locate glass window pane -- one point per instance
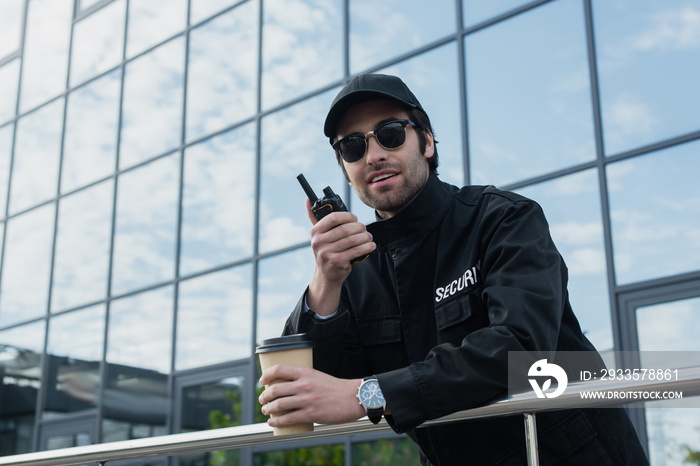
(74, 361)
(136, 398)
(642, 48)
(90, 145)
(146, 224)
(214, 320)
(293, 143)
(218, 203)
(20, 365)
(9, 78)
(37, 156)
(201, 9)
(153, 96)
(26, 266)
(572, 207)
(378, 29)
(386, 452)
(281, 283)
(81, 259)
(302, 47)
(323, 454)
(672, 326)
(212, 406)
(476, 11)
(11, 15)
(5, 157)
(98, 42)
(152, 22)
(221, 90)
(434, 79)
(528, 95)
(45, 51)
(655, 213)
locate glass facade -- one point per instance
(152, 230)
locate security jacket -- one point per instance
(459, 278)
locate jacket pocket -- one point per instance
(379, 330)
(459, 316)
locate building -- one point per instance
(153, 231)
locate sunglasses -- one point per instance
(390, 135)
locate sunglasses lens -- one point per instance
(352, 148)
(391, 135)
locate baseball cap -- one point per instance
(365, 87)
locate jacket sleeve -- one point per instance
(337, 349)
(522, 299)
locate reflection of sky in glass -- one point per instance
(432, 77)
(293, 143)
(75, 371)
(82, 247)
(9, 78)
(655, 210)
(152, 22)
(281, 284)
(222, 74)
(529, 95)
(671, 326)
(214, 319)
(572, 207)
(649, 67)
(201, 9)
(45, 50)
(152, 116)
(140, 330)
(218, 202)
(378, 30)
(144, 243)
(11, 12)
(26, 266)
(5, 155)
(29, 337)
(90, 144)
(476, 11)
(37, 154)
(302, 49)
(98, 42)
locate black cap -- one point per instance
(365, 87)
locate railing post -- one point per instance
(531, 440)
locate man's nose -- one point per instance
(375, 152)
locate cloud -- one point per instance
(677, 29)
(629, 114)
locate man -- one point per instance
(455, 279)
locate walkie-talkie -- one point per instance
(330, 202)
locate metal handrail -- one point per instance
(527, 403)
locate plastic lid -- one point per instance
(286, 342)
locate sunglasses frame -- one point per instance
(404, 123)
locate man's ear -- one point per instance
(429, 145)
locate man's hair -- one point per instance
(422, 121)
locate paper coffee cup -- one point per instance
(294, 350)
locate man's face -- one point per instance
(385, 179)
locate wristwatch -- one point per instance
(371, 398)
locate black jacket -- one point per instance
(459, 278)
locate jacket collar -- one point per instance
(417, 219)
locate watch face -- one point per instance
(371, 395)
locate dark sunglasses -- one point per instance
(390, 135)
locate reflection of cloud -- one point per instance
(670, 30)
(62, 340)
(628, 114)
(659, 333)
(91, 132)
(144, 244)
(153, 96)
(10, 21)
(9, 76)
(140, 330)
(37, 150)
(151, 22)
(26, 265)
(82, 247)
(577, 233)
(214, 318)
(222, 71)
(280, 232)
(98, 42)
(45, 50)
